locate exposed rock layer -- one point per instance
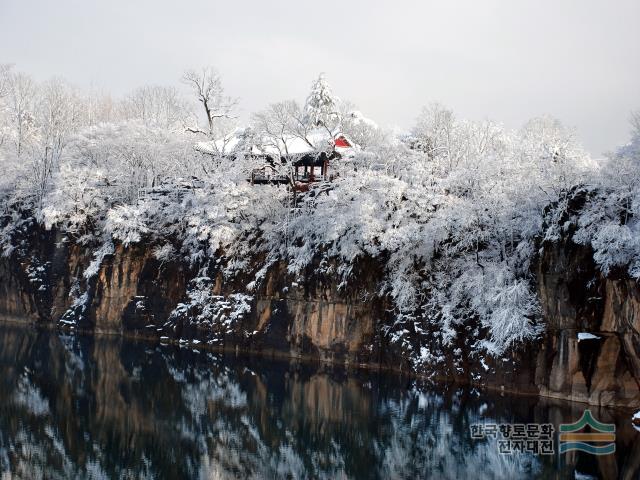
(601, 368)
(311, 316)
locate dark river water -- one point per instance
(79, 407)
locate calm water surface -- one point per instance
(78, 407)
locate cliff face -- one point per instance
(311, 316)
(134, 293)
(591, 351)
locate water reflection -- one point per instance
(77, 407)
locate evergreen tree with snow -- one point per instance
(321, 107)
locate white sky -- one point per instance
(507, 60)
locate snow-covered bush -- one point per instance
(126, 224)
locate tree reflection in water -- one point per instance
(79, 407)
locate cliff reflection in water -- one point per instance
(78, 407)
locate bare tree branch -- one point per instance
(209, 91)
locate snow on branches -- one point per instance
(454, 210)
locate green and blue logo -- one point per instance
(601, 440)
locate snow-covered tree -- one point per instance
(4, 106)
(21, 99)
(157, 106)
(322, 108)
(218, 107)
(554, 154)
(434, 132)
(363, 131)
(278, 126)
(610, 220)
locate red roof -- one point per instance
(342, 142)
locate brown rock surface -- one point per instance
(311, 315)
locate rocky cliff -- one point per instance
(589, 352)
